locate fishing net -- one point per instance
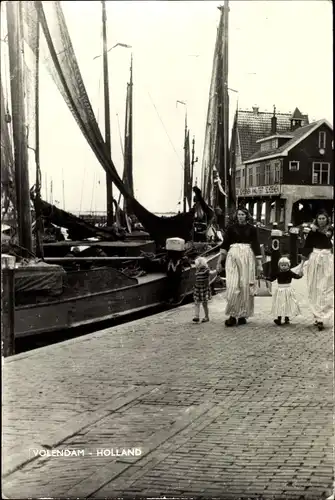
(8, 202)
(77, 228)
(209, 160)
(31, 37)
(213, 163)
(187, 170)
(62, 65)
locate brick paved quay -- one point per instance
(243, 412)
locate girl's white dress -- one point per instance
(284, 301)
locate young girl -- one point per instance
(202, 291)
(284, 302)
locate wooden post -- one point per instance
(294, 232)
(8, 305)
(276, 235)
(259, 211)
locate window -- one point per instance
(262, 176)
(322, 140)
(267, 174)
(277, 172)
(274, 144)
(238, 179)
(266, 146)
(294, 166)
(250, 176)
(258, 175)
(321, 173)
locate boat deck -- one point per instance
(107, 244)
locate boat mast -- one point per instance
(38, 214)
(130, 131)
(193, 161)
(109, 182)
(15, 48)
(225, 105)
(128, 140)
(185, 166)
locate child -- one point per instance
(202, 291)
(284, 302)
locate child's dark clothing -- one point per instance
(202, 290)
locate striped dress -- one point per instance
(320, 274)
(241, 243)
(202, 290)
(284, 302)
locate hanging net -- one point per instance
(8, 202)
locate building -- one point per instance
(284, 166)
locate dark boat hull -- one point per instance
(69, 312)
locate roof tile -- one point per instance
(296, 134)
(253, 126)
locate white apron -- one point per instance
(320, 283)
(240, 281)
(284, 302)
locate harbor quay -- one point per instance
(164, 407)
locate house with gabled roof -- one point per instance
(288, 172)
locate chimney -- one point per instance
(255, 109)
(274, 121)
(296, 119)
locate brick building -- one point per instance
(284, 165)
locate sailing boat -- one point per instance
(217, 175)
(48, 298)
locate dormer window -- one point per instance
(274, 144)
(266, 146)
(322, 140)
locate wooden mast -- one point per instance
(185, 167)
(193, 161)
(109, 182)
(225, 114)
(15, 48)
(128, 140)
(130, 131)
(39, 223)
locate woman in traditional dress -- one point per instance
(240, 249)
(320, 268)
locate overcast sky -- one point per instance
(280, 52)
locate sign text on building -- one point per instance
(259, 190)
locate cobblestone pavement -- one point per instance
(243, 412)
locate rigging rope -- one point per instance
(174, 149)
(118, 124)
(180, 198)
(92, 192)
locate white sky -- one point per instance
(287, 44)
